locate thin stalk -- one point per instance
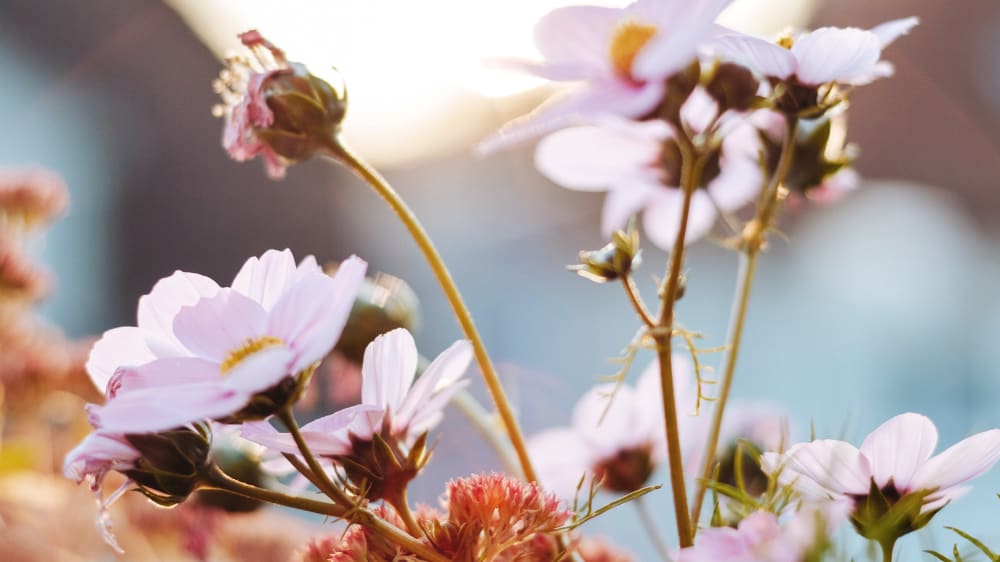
(663, 333)
(437, 265)
(319, 476)
(887, 548)
(748, 266)
(649, 524)
(216, 479)
(752, 244)
(636, 299)
(402, 507)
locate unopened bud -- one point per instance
(243, 464)
(380, 467)
(171, 463)
(384, 303)
(613, 261)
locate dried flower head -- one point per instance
(274, 108)
(31, 196)
(505, 510)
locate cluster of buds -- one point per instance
(613, 261)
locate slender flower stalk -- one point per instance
(219, 480)
(753, 241)
(636, 299)
(338, 151)
(690, 174)
(319, 476)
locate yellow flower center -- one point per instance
(786, 41)
(630, 37)
(249, 347)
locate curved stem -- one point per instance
(649, 524)
(663, 333)
(748, 266)
(752, 244)
(402, 507)
(319, 476)
(437, 265)
(636, 299)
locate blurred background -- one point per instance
(886, 302)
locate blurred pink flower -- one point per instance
(848, 56)
(761, 538)
(624, 447)
(621, 58)
(201, 351)
(637, 165)
(389, 398)
(896, 457)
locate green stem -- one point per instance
(748, 265)
(319, 476)
(649, 524)
(437, 265)
(754, 237)
(663, 333)
(887, 548)
(402, 507)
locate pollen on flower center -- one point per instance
(249, 347)
(628, 40)
(786, 41)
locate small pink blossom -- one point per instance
(623, 447)
(637, 165)
(620, 58)
(389, 398)
(896, 458)
(849, 56)
(203, 352)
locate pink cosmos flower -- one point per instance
(203, 352)
(848, 56)
(624, 447)
(639, 166)
(896, 457)
(389, 398)
(620, 58)
(761, 538)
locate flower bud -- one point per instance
(819, 154)
(384, 303)
(613, 261)
(733, 87)
(884, 514)
(241, 463)
(276, 109)
(171, 463)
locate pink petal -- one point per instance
(169, 371)
(833, 54)
(166, 407)
(310, 316)
(596, 99)
(442, 373)
(699, 110)
(577, 34)
(216, 326)
(626, 199)
(944, 497)
(264, 279)
(97, 454)
(158, 309)
(260, 371)
(738, 183)
(389, 366)
(682, 27)
(835, 466)
(661, 220)
(561, 458)
(891, 30)
(557, 71)
(120, 347)
(325, 436)
(617, 430)
(898, 447)
(594, 158)
(762, 57)
(969, 458)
